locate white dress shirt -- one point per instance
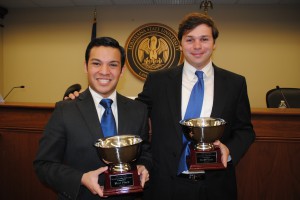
(189, 79)
(100, 109)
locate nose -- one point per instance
(197, 44)
(104, 69)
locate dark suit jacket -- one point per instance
(67, 146)
(162, 94)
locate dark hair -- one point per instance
(107, 42)
(192, 20)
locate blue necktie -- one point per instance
(193, 111)
(108, 123)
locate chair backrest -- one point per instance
(292, 96)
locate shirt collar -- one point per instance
(189, 70)
(97, 97)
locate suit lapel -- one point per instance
(87, 108)
(122, 110)
(174, 97)
(220, 92)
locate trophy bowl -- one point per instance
(119, 150)
(203, 131)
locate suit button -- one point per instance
(174, 154)
(172, 177)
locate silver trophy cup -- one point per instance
(119, 152)
(202, 132)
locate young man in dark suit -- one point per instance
(67, 160)
(167, 92)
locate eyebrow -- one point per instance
(191, 36)
(115, 61)
(94, 59)
(112, 61)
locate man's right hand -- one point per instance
(90, 181)
(72, 96)
(72, 92)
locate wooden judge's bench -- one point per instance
(269, 170)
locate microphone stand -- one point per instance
(22, 86)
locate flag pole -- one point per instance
(94, 27)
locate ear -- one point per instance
(215, 45)
(123, 70)
(85, 67)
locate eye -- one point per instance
(189, 40)
(95, 63)
(204, 39)
(114, 64)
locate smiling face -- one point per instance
(104, 69)
(197, 46)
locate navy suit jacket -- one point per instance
(162, 94)
(67, 149)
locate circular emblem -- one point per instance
(152, 47)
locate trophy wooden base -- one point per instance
(121, 183)
(205, 160)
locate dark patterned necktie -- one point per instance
(193, 111)
(108, 123)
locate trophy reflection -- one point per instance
(202, 132)
(119, 151)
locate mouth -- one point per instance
(197, 54)
(103, 81)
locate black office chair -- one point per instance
(291, 96)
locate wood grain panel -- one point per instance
(21, 126)
(270, 168)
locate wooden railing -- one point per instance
(269, 170)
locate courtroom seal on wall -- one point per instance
(152, 47)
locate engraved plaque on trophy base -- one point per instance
(121, 183)
(205, 160)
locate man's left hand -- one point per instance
(224, 151)
(143, 173)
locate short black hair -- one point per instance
(107, 42)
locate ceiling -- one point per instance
(77, 3)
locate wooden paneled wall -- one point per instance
(269, 170)
(21, 126)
